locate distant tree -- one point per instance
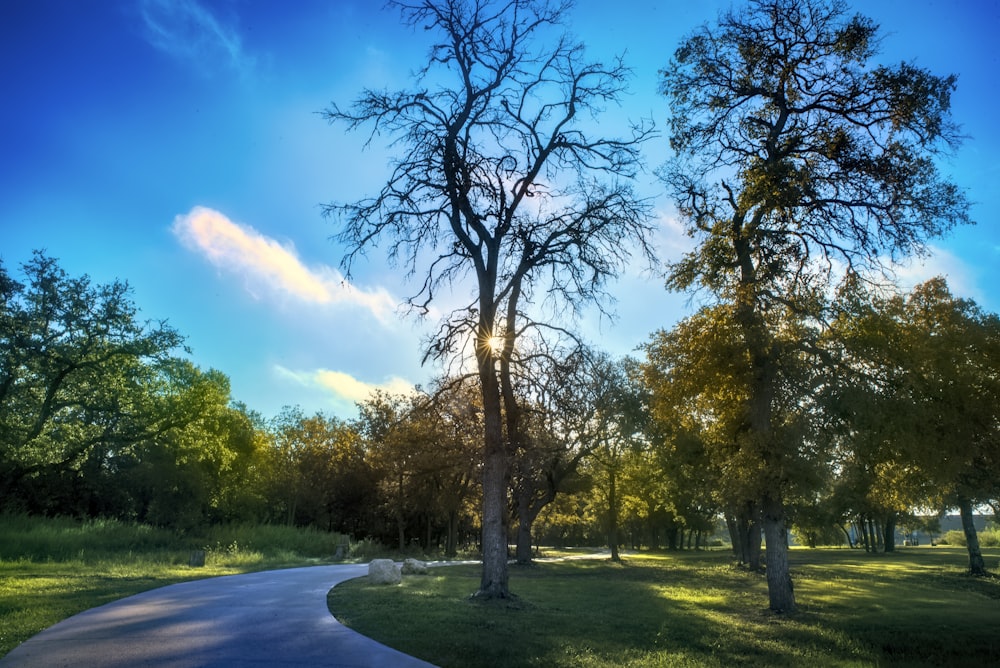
(614, 434)
(927, 423)
(75, 367)
(796, 156)
(504, 176)
(552, 444)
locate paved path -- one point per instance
(274, 619)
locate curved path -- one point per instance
(272, 618)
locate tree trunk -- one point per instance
(672, 538)
(779, 579)
(889, 533)
(747, 527)
(734, 537)
(400, 519)
(451, 542)
(753, 536)
(522, 552)
(976, 564)
(494, 581)
(613, 516)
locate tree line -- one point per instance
(893, 409)
(803, 391)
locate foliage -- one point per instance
(988, 538)
(918, 409)
(76, 368)
(797, 156)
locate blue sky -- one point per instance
(176, 144)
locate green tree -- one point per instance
(179, 476)
(932, 360)
(76, 361)
(794, 155)
(614, 434)
(552, 442)
(504, 177)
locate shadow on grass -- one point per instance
(686, 610)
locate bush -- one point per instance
(953, 537)
(989, 538)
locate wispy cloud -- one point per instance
(188, 31)
(940, 262)
(266, 263)
(343, 386)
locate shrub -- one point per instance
(953, 537)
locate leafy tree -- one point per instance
(552, 442)
(794, 156)
(74, 380)
(614, 433)
(421, 450)
(502, 176)
(929, 362)
(455, 474)
(178, 477)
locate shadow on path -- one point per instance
(272, 618)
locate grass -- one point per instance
(51, 569)
(911, 608)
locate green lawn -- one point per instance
(911, 608)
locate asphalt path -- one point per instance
(272, 618)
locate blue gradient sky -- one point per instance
(177, 145)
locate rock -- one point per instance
(384, 571)
(414, 567)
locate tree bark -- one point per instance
(494, 582)
(527, 512)
(976, 564)
(451, 542)
(779, 580)
(889, 532)
(613, 516)
(847, 535)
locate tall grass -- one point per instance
(53, 568)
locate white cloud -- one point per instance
(186, 30)
(343, 386)
(264, 261)
(939, 262)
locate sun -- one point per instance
(494, 344)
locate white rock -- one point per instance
(384, 571)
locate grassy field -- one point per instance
(911, 608)
(52, 569)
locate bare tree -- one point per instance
(796, 156)
(503, 175)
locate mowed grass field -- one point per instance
(914, 607)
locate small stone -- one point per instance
(414, 567)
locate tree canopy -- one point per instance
(796, 155)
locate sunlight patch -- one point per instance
(242, 249)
